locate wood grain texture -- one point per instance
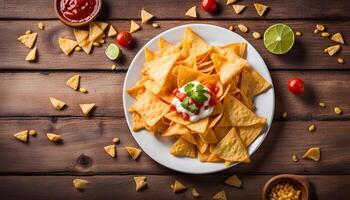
(170, 9)
(83, 141)
(117, 187)
(27, 94)
(306, 54)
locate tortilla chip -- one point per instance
(151, 108)
(194, 192)
(137, 122)
(190, 138)
(86, 45)
(145, 16)
(236, 114)
(230, 2)
(234, 181)
(231, 148)
(186, 75)
(261, 84)
(111, 150)
(101, 25)
(80, 184)
(166, 48)
(221, 132)
(238, 8)
(248, 134)
(31, 56)
(159, 68)
(94, 31)
(134, 26)
(192, 12)
(203, 157)
(140, 182)
(57, 104)
(226, 68)
(22, 136)
(201, 144)
(192, 44)
(86, 108)
(332, 50)
(183, 148)
(152, 86)
(220, 196)
(149, 55)
(176, 129)
(260, 8)
(28, 39)
(80, 35)
(338, 38)
(53, 137)
(134, 152)
(198, 127)
(137, 91)
(67, 45)
(111, 32)
(73, 82)
(313, 153)
(177, 186)
(209, 136)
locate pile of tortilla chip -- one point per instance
(226, 134)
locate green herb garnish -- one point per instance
(190, 107)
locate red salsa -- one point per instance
(78, 10)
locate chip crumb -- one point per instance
(83, 90)
(325, 34)
(41, 25)
(220, 196)
(140, 182)
(295, 158)
(285, 115)
(113, 67)
(312, 128)
(115, 140)
(96, 44)
(155, 25)
(32, 132)
(322, 104)
(313, 153)
(27, 32)
(53, 137)
(340, 60)
(315, 31)
(80, 184)
(230, 28)
(78, 48)
(338, 110)
(320, 27)
(242, 28)
(195, 194)
(298, 33)
(256, 35)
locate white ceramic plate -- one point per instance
(158, 147)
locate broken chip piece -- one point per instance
(140, 182)
(242, 28)
(133, 152)
(238, 8)
(260, 8)
(177, 186)
(111, 32)
(220, 196)
(57, 103)
(145, 16)
(41, 25)
(80, 35)
(94, 31)
(110, 149)
(31, 56)
(234, 181)
(73, 82)
(22, 136)
(134, 26)
(101, 25)
(80, 184)
(86, 108)
(32, 132)
(53, 137)
(313, 153)
(320, 27)
(194, 192)
(28, 39)
(332, 49)
(192, 12)
(230, 2)
(115, 140)
(256, 35)
(67, 45)
(338, 38)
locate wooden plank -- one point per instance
(169, 9)
(158, 186)
(27, 94)
(82, 150)
(306, 54)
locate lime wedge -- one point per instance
(113, 52)
(279, 38)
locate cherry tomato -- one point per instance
(209, 5)
(296, 85)
(172, 107)
(210, 86)
(213, 100)
(191, 101)
(216, 90)
(175, 91)
(124, 39)
(185, 116)
(180, 96)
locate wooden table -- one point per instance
(42, 170)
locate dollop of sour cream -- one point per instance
(205, 110)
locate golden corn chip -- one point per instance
(338, 38)
(80, 34)
(198, 127)
(261, 84)
(239, 49)
(159, 68)
(80, 184)
(332, 49)
(183, 148)
(73, 82)
(165, 48)
(111, 32)
(192, 12)
(238, 8)
(236, 114)
(260, 8)
(86, 108)
(101, 25)
(192, 44)
(190, 138)
(137, 91)
(86, 45)
(33, 132)
(145, 16)
(134, 26)
(177, 186)
(149, 55)
(67, 45)
(252, 83)
(214, 158)
(221, 132)
(140, 182)
(231, 148)
(137, 123)
(220, 196)
(176, 129)
(234, 181)
(209, 136)
(160, 127)
(230, 2)
(151, 108)
(57, 103)
(214, 120)
(152, 86)
(313, 153)
(115, 140)
(31, 56)
(53, 137)
(243, 28)
(203, 157)
(110, 150)
(134, 152)
(201, 144)
(227, 69)
(94, 31)
(194, 192)
(22, 136)
(249, 133)
(99, 40)
(186, 75)
(28, 39)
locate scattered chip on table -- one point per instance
(312, 128)
(238, 8)
(145, 16)
(234, 181)
(41, 25)
(155, 25)
(284, 115)
(101, 25)
(194, 192)
(294, 158)
(111, 150)
(242, 28)
(31, 56)
(340, 60)
(22, 136)
(298, 33)
(322, 104)
(73, 82)
(133, 152)
(111, 32)
(53, 137)
(28, 39)
(32, 132)
(177, 186)
(320, 27)
(332, 49)
(67, 45)
(313, 153)
(83, 90)
(80, 35)
(338, 110)
(338, 38)
(134, 26)
(140, 182)
(230, 28)
(80, 184)
(192, 12)
(86, 108)
(325, 34)
(230, 2)
(94, 31)
(57, 104)
(256, 35)
(260, 8)
(220, 196)
(115, 140)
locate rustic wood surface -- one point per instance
(42, 170)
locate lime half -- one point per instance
(279, 38)
(113, 52)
